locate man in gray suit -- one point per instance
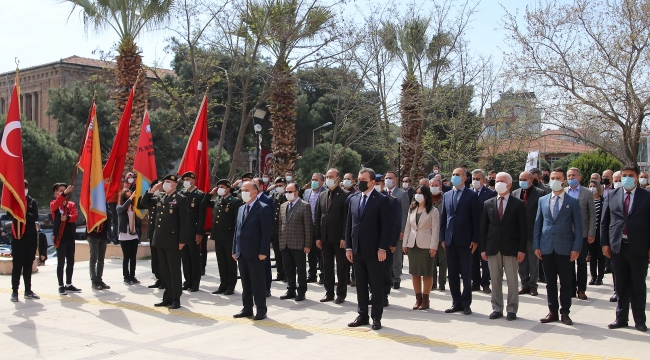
(588, 211)
(391, 180)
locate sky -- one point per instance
(43, 31)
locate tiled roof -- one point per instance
(550, 142)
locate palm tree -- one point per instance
(128, 18)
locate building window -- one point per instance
(553, 159)
(2, 105)
(642, 156)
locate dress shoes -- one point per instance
(194, 289)
(176, 304)
(219, 291)
(395, 286)
(268, 294)
(353, 283)
(467, 311)
(311, 279)
(511, 316)
(288, 295)
(162, 304)
(359, 321)
(259, 316)
(617, 325)
(441, 287)
(550, 317)
(566, 320)
(592, 281)
(614, 298)
(279, 278)
(229, 292)
(496, 315)
(185, 287)
(487, 290)
(524, 291)
(599, 282)
(454, 309)
(327, 297)
(300, 297)
(641, 327)
(533, 292)
(385, 303)
(339, 300)
(582, 295)
(155, 285)
(243, 314)
(376, 324)
(476, 287)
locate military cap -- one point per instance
(379, 177)
(280, 179)
(223, 182)
(57, 185)
(189, 174)
(171, 177)
(248, 175)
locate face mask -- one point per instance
(628, 182)
(280, 190)
(221, 191)
(605, 181)
(573, 182)
(405, 185)
(546, 178)
(289, 178)
(330, 183)
(435, 190)
(556, 185)
(593, 190)
(476, 184)
(156, 193)
(314, 185)
(501, 187)
(347, 183)
(535, 182)
(130, 180)
(419, 198)
(265, 179)
(26, 192)
(642, 181)
(186, 184)
(378, 188)
(524, 184)
(456, 180)
(617, 184)
(246, 196)
(436, 171)
(167, 187)
(492, 182)
(363, 186)
(291, 196)
(389, 183)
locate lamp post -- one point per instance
(313, 133)
(399, 157)
(258, 132)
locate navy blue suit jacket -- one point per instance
(637, 221)
(268, 201)
(396, 223)
(460, 225)
(253, 235)
(368, 232)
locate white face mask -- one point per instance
(476, 184)
(405, 185)
(389, 183)
(280, 190)
(378, 188)
(643, 181)
(221, 191)
(419, 198)
(130, 180)
(167, 187)
(501, 187)
(347, 183)
(555, 185)
(186, 184)
(436, 171)
(246, 196)
(291, 196)
(593, 190)
(289, 178)
(265, 179)
(26, 192)
(435, 190)
(617, 184)
(330, 183)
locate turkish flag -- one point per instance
(195, 157)
(115, 164)
(12, 172)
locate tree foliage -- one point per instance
(316, 161)
(594, 162)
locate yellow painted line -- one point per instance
(362, 333)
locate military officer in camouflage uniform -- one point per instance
(224, 220)
(278, 198)
(192, 264)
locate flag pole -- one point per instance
(83, 142)
(19, 233)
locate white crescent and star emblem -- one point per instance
(8, 129)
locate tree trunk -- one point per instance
(411, 123)
(283, 115)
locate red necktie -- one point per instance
(501, 208)
(626, 209)
(525, 197)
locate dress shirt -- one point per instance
(313, 199)
(560, 200)
(574, 193)
(629, 210)
(505, 201)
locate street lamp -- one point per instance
(258, 132)
(313, 132)
(399, 157)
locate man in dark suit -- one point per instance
(459, 232)
(395, 230)
(529, 268)
(401, 208)
(191, 255)
(480, 269)
(169, 237)
(296, 237)
(408, 187)
(537, 181)
(367, 238)
(261, 196)
(330, 218)
(624, 236)
(311, 195)
(251, 248)
(557, 241)
(503, 240)
(224, 215)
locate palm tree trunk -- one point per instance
(283, 114)
(411, 118)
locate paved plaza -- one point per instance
(122, 323)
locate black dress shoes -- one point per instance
(327, 298)
(496, 315)
(311, 279)
(359, 321)
(487, 290)
(395, 286)
(185, 287)
(511, 316)
(162, 304)
(300, 297)
(288, 295)
(194, 289)
(592, 281)
(614, 298)
(259, 316)
(376, 324)
(454, 309)
(617, 324)
(599, 282)
(219, 291)
(268, 294)
(229, 292)
(156, 285)
(243, 314)
(339, 300)
(385, 302)
(476, 287)
(468, 311)
(176, 304)
(533, 292)
(641, 327)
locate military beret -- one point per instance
(247, 175)
(379, 177)
(189, 174)
(171, 177)
(57, 185)
(280, 179)
(223, 182)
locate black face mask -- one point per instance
(492, 182)
(546, 178)
(535, 182)
(605, 181)
(363, 186)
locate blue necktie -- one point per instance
(246, 212)
(556, 207)
(363, 205)
(456, 194)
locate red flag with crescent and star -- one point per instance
(12, 172)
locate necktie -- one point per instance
(626, 209)
(246, 211)
(556, 207)
(329, 199)
(389, 193)
(456, 193)
(501, 208)
(525, 197)
(363, 204)
(289, 211)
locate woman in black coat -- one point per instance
(129, 235)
